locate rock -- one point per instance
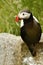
(10, 49)
(13, 51)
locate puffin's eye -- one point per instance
(23, 13)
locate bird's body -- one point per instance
(30, 31)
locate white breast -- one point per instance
(22, 23)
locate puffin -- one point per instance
(30, 29)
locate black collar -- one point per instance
(28, 20)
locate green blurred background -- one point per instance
(10, 8)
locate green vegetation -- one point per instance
(10, 8)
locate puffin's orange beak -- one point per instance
(17, 19)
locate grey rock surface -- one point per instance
(13, 51)
(10, 53)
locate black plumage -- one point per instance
(31, 32)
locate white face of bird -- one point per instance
(24, 15)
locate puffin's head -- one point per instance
(24, 14)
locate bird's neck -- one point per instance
(28, 21)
